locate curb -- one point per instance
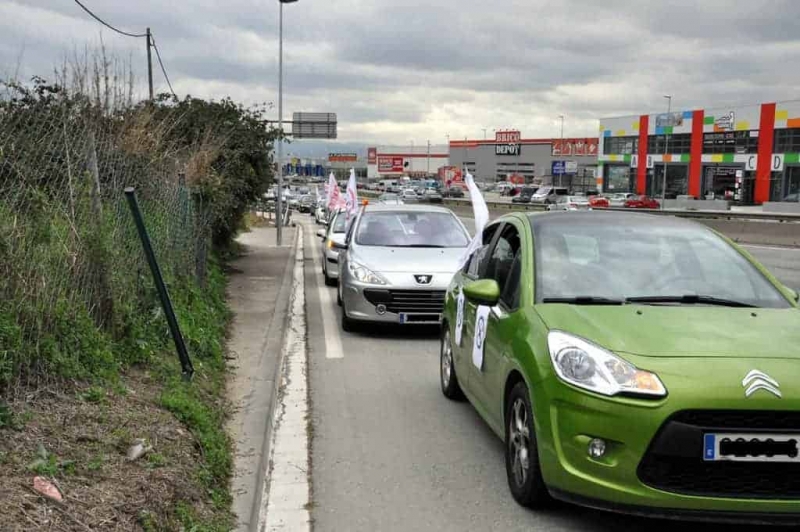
(275, 340)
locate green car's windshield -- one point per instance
(652, 263)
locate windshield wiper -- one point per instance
(690, 299)
(583, 300)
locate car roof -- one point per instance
(406, 208)
(610, 218)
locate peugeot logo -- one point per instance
(757, 380)
(423, 279)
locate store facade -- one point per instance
(508, 157)
(748, 154)
(390, 162)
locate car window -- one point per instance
(502, 256)
(622, 261)
(339, 223)
(411, 229)
(509, 297)
(477, 262)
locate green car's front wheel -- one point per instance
(447, 370)
(522, 457)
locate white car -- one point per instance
(332, 242)
(570, 203)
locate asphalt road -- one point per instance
(390, 453)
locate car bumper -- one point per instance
(402, 303)
(645, 472)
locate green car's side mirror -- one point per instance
(483, 292)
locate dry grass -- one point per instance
(87, 434)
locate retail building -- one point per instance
(748, 154)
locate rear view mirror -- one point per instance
(321, 233)
(483, 292)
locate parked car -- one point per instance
(390, 199)
(409, 195)
(454, 192)
(601, 202)
(524, 195)
(618, 199)
(398, 262)
(547, 195)
(621, 394)
(332, 243)
(432, 196)
(641, 202)
(569, 203)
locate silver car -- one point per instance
(398, 262)
(570, 203)
(332, 244)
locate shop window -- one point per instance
(680, 143)
(677, 181)
(787, 141)
(731, 142)
(620, 145)
(618, 179)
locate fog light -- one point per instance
(597, 448)
(381, 309)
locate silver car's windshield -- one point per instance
(620, 262)
(411, 229)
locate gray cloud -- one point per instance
(395, 71)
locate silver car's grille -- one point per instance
(407, 301)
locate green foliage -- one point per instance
(94, 394)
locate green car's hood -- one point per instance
(681, 331)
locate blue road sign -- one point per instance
(558, 168)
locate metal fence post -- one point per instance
(166, 304)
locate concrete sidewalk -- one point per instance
(259, 295)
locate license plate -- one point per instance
(738, 447)
(419, 318)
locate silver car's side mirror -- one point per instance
(321, 233)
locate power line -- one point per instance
(164, 70)
(106, 24)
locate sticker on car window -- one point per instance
(459, 317)
(481, 323)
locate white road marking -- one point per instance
(330, 326)
(285, 504)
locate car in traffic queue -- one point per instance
(332, 243)
(321, 213)
(409, 195)
(306, 203)
(454, 192)
(397, 263)
(641, 202)
(630, 362)
(569, 203)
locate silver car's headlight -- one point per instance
(364, 274)
(593, 368)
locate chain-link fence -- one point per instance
(73, 278)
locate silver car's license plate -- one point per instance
(738, 447)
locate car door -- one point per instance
(472, 272)
(501, 323)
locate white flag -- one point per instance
(333, 196)
(481, 213)
(351, 200)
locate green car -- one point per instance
(630, 362)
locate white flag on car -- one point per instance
(334, 197)
(351, 198)
(481, 214)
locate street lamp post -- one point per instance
(429, 157)
(666, 151)
(279, 195)
(561, 152)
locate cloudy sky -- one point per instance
(403, 70)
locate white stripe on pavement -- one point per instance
(330, 326)
(285, 505)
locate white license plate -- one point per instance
(738, 447)
(417, 318)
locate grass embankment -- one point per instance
(77, 432)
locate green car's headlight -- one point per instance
(364, 274)
(593, 368)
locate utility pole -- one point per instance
(149, 63)
(279, 196)
(561, 152)
(666, 151)
(484, 133)
(429, 157)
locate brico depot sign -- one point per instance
(507, 137)
(508, 149)
(390, 165)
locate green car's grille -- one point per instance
(674, 462)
